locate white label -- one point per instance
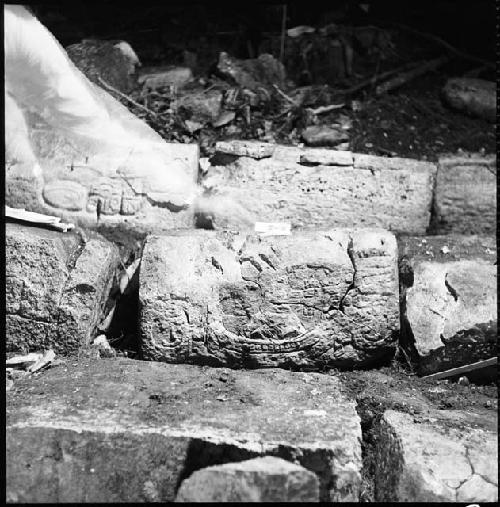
(273, 228)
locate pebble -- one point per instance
(463, 381)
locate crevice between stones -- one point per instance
(352, 285)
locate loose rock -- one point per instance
(115, 63)
(153, 78)
(265, 479)
(324, 135)
(475, 97)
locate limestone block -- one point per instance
(465, 201)
(449, 297)
(436, 458)
(311, 299)
(56, 288)
(288, 184)
(116, 430)
(153, 78)
(265, 479)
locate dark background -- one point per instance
(468, 25)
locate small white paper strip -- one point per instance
(273, 228)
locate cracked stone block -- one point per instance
(143, 186)
(449, 299)
(465, 201)
(437, 457)
(312, 190)
(56, 288)
(312, 299)
(113, 430)
(265, 479)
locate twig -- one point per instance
(285, 96)
(376, 78)
(411, 74)
(326, 109)
(448, 46)
(126, 97)
(463, 369)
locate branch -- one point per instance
(411, 74)
(126, 97)
(448, 46)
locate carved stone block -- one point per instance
(312, 299)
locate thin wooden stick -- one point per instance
(411, 74)
(448, 46)
(463, 369)
(126, 97)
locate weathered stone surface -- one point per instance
(310, 299)
(200, 106)
(158, 77)
(439, 457)
(392, 193)
(265, 479)
(241, 148)
(324, 135)
(115, 63)
(125, 430)
(56, 288)
(465, 200)
(449, 297)
(321, 156)
(475, 97)
(254, 74)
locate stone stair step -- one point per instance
(312, 299)
(465, 195)
(56, 288)
(288, 184)
(441, 456)
(449, 297)
(115, 430)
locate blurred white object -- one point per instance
(40, 78)
(273, 228)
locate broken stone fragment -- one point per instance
(253, 74)
(475, 97)
(153, 78)
(278, 183)
(265, 479)
(449, 456)
(324, 135)
(127, 433)
(252, 149)
(310, 299)
(449, 298)
(201, 106)
(321, 156)
(466, 190)
(56, 288)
